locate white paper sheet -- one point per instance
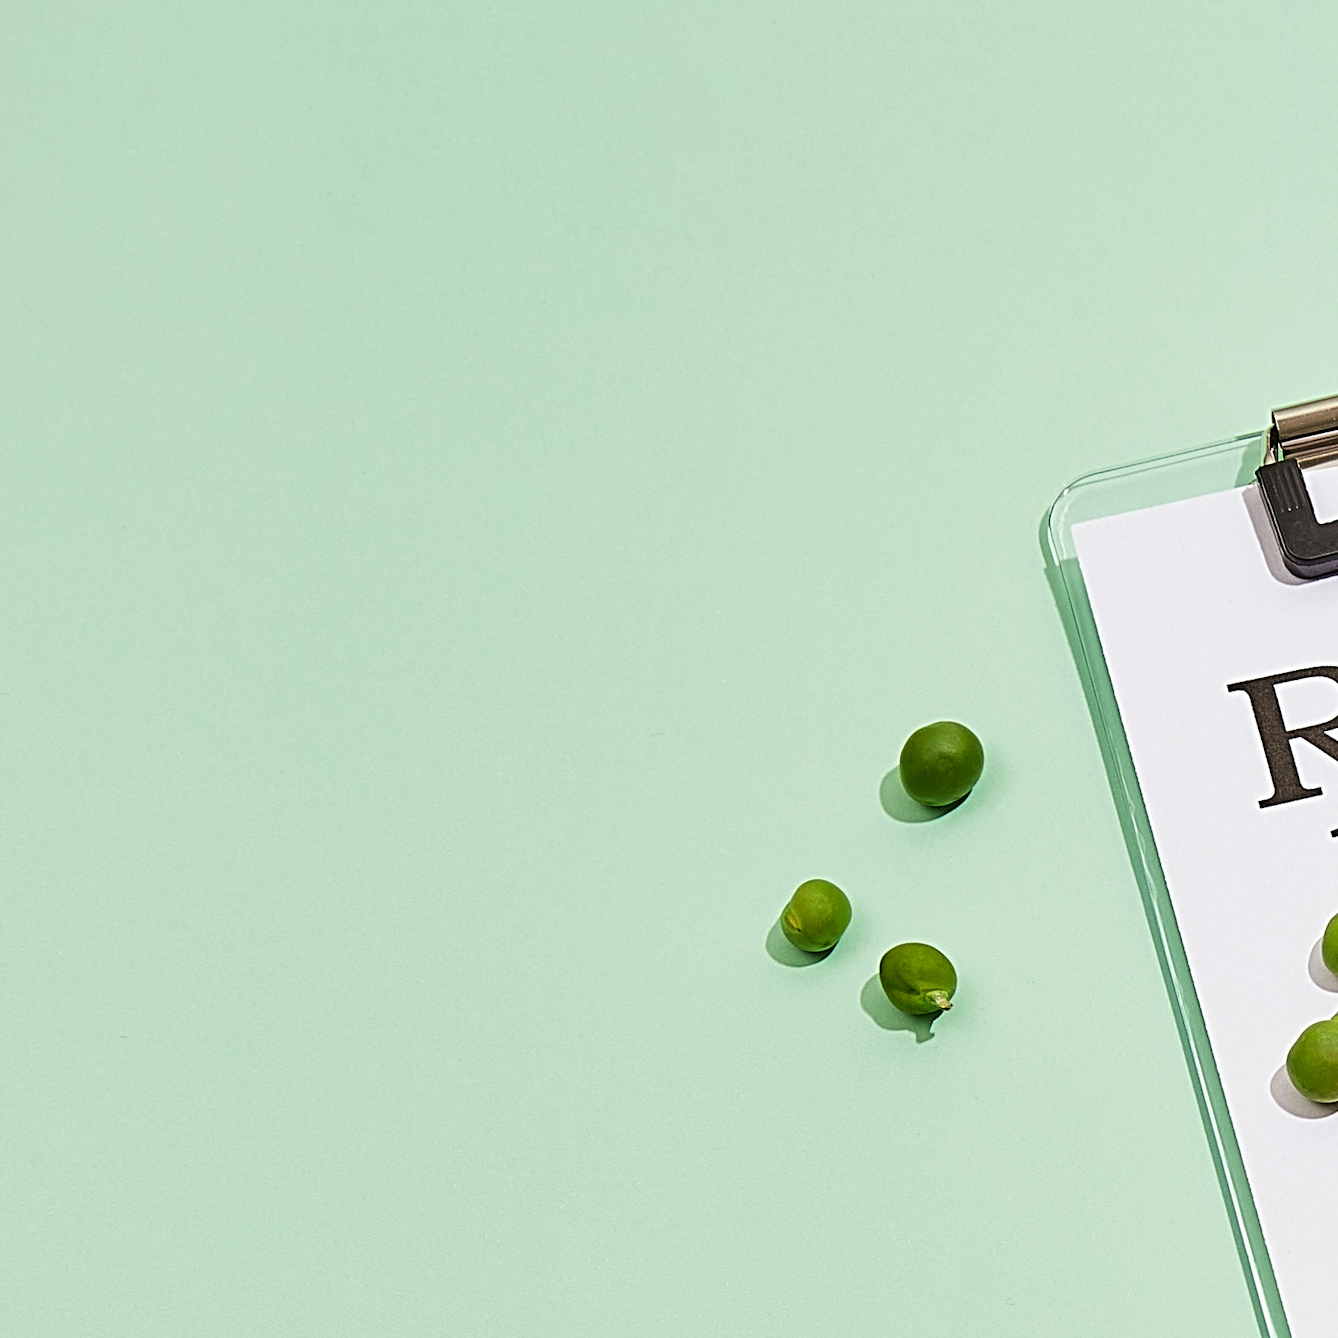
(1188, 600)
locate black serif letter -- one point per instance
(1277, 738)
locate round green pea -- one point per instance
(1328, 948)
(816, 916)
(1312, 1063)
(917, 978)
(940, 763)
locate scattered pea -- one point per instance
(1312, 1063)
(1328, 948)
(940, 763)
(816, 916)
(917, 978)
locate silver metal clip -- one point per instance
(1306, 433)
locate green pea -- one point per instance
(816, 916)
(917, 978)
(1328, 949)
(1312, 1063)
(940, 763)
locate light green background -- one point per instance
(486, 490)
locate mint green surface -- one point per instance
(485, 492)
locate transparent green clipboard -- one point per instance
(1172, 478)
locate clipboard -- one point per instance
(1265, 469)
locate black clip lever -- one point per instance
(1303, 434)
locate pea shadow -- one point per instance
(780, 949)
(1320, 973)
(899, 805)
(881, 1009)
(1290, 1100)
